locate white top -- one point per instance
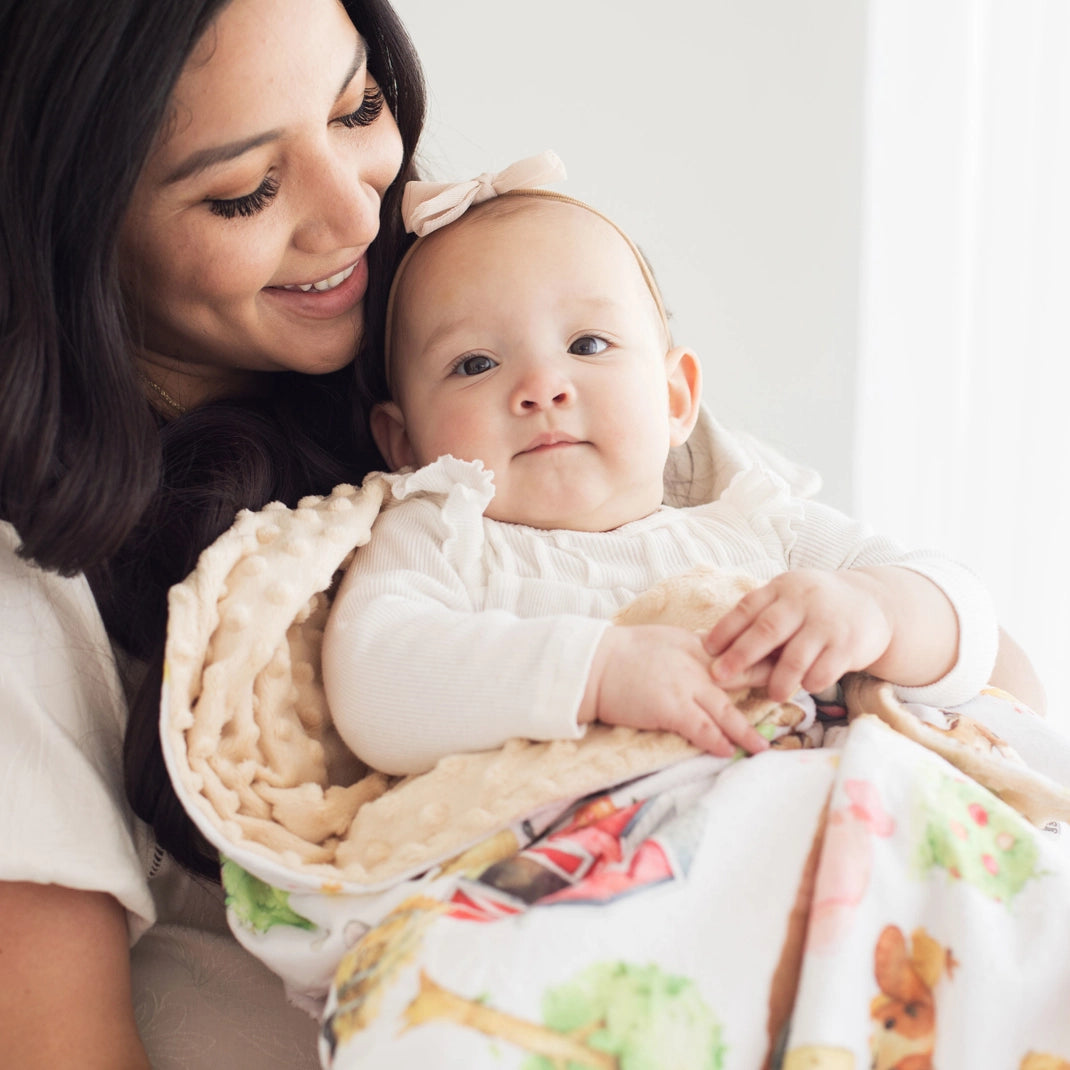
(64, 819)
(200, 1000)
(453, 632)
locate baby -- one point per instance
(535, 394)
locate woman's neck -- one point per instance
(173, 389)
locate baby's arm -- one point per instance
(854, 601)
(409, 682)
(809, 627)
(413, 671)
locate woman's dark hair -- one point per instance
(90, 478)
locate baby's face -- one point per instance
(526, 337)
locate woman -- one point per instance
(189, 194)
(190, 222)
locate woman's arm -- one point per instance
(1014, 673)
(65, 998)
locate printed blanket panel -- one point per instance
(666, 930)
(649, 942)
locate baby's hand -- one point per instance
(656, 676)
(802, 629)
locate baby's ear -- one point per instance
(388, 430)
(684, 375)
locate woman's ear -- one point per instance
(684, 375)
(388, 430)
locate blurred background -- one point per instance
(859, 213)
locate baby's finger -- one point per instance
(757, 675)
(733, 724)
(796, 660)
(773, 627)
(737, 620)
(825, 671)
(707, 735)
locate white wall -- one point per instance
(726, 137)
(964, 437)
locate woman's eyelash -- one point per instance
(370, 109)
(248, 205)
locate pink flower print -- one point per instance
(846, 863)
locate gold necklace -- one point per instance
(162, 394)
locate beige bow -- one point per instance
(426, 206)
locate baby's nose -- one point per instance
(542, 389)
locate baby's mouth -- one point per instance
(549, 440)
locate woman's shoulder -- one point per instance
(63, 814)
(39, 608)
(702, 469)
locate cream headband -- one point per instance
(429, 206)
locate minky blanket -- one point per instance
(887, 887)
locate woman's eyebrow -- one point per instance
(217, 154)
(360, 57)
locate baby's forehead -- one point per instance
(481, 238)
(561, 215)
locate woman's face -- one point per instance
(244, 245)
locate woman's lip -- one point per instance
(325, 304)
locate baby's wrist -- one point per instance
(588, 710)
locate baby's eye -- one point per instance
(476, 364)
(588, 346)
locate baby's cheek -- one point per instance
(455, 432)
(429, 448)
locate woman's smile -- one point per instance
(334, 296)
(323, 284)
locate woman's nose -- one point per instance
(341, 211)
(343, 190)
